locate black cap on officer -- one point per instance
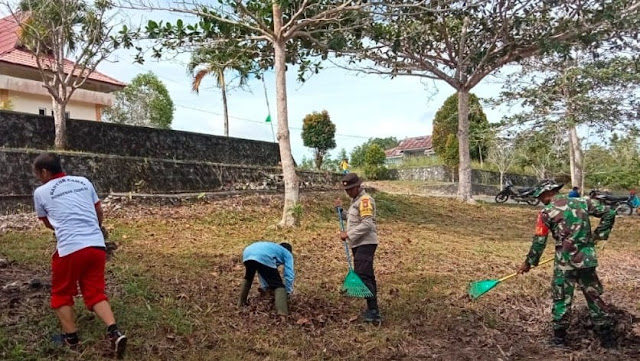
(350, 180)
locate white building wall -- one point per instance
(31, 103)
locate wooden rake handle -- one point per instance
(516, 273)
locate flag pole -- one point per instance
(266, 98)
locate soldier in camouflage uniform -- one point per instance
(362, 236)
(575, 257)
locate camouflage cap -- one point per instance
(351, 180)
(546, 185)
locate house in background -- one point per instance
(21, 82)
(410, 147)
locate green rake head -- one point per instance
(479, 288)
(354, 287)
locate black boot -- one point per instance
(607, 339)
(372, 316)
(559, 338)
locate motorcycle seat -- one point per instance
(524, 190)
(616, 198)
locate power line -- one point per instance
(261, 122)
(212, 89)
(239, 118)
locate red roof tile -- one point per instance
(10, 52)
(8, 34)
(411, 144)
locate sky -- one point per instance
(361, 106)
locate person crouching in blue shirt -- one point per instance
(635, 202)
(265, 257)
(575, 193)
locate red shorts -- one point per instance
(85, 268)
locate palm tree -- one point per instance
(6, 104)
(210, 62)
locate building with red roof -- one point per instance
(410, 147)
(21, 81)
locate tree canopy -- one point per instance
(144, 102)
(614, 165)
(445, 123)
(68, 40)
(228, 72)
(358, 153)
(462, 42)
(374, 159)
(319, 133)
(594, 90)
(543, 150)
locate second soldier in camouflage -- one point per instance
(575, 256)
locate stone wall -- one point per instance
(20, 130)
(442, 174)
(489, 177)
(452, 189)
(424, 174)
(146, 175)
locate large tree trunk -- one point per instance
(319, 159)
(572, 161)
(576, 149)
(464, 170)
(60, 121)
(291, 196)
(223, 87)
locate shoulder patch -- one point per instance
(541, 227)
(366, 208)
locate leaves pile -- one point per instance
(24, 293)
(17, 222)
(175, 277)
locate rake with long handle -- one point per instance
(479, 288)
(352, 285)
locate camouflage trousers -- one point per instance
(564, 283)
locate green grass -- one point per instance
(416, 162)
(175, 277)
(419, 162)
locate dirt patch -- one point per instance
(626, 325)
(22, 291)
(177, 271)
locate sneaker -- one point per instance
(372, 316)
(61, 341)
(118, 343)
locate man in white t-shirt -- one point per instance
(70, 206)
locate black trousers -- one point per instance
(363, 266)
(270, 275)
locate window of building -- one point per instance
(42, 111)
(68, 114)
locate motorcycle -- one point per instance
(518, 195)
(622, 205)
